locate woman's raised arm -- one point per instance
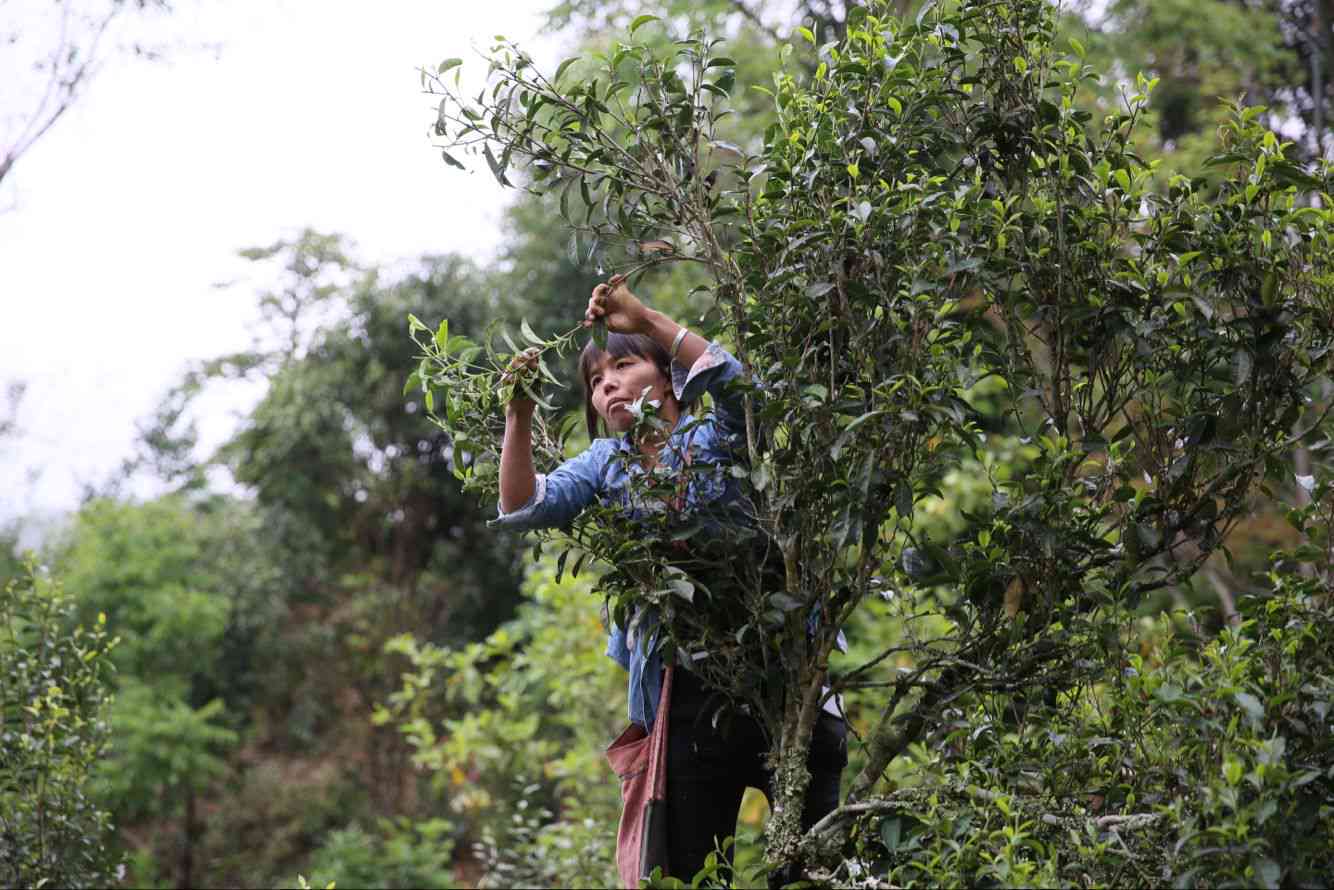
(530, 500)
(518, 479)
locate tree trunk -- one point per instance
(792, 777)
(188, 842)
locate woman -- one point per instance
(710, 763)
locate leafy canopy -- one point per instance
(935, 252)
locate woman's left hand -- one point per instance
(618, 307)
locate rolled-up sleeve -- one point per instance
(712, 372)
(563, 494)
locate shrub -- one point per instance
(54, 691)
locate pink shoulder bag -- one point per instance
(640, 762)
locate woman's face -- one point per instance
(615, 383)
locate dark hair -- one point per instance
(618, 346)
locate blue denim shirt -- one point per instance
(595, 476)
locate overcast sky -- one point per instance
(121, 221)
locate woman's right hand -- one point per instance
(622, 311)
(522, 369)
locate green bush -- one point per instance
(398, 854)
(512, 730)
(54, 691)
(1203, 762)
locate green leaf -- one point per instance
(640, 21)
(1269, 288)
(1241, 366)
(442, 336)
(560, 69)
(447, 64)
(917, 565)
(1290, 174)
(451, 160)
(891, 831)
(1268, 871)
(529, 335)
(719, 62)
(1251, 705)
(414, 381)
(1203, 305)
(497, 168)
(846, 436)
(682, 588)
(903, 499)
(687, 531)
(547, 375)
(1168, 693)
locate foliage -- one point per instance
(54, 691)
(253, 625)
(1202, 762)
(1043, 723)
(1274, 54)
(352, 482)
(398, 855)
(825, 18)
(515, 726)
(253, 629)
(163, 748)
(183, 587)
(172, 584)
(932, 211)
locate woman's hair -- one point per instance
(618, 346)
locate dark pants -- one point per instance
(709, 769)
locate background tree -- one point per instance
(187, 599)
(352, 530)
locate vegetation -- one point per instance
(934, 249)
(1038, 415)
(53, 698)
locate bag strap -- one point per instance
(657, 756)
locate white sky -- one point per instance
(129, 211)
